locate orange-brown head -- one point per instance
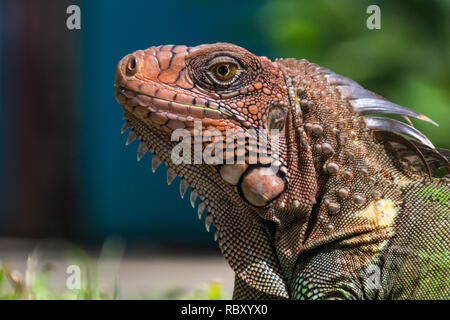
(221, 84)
(224, 89)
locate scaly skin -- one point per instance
(343, 216)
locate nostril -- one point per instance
(132, 65)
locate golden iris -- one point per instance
(224, 71)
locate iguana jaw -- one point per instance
(177, 110)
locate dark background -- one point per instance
(64, 169)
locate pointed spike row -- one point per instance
(380, 123)
(208, 221)
(201, 208)
(171, 175)
(371, 106)
(131, 137)
(155, 163)
(125, 127)
(183, 187)
(142, 150)
(193, 198)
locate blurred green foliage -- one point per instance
(406, 61)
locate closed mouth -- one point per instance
(166, 108)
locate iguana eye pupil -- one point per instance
(223, 70)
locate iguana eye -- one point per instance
(223, 71)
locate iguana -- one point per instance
(347, 208)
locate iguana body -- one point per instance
(343, 215)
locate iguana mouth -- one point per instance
(175, 113)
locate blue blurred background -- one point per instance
(64, 169)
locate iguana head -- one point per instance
(296, 131)
(226, 90)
